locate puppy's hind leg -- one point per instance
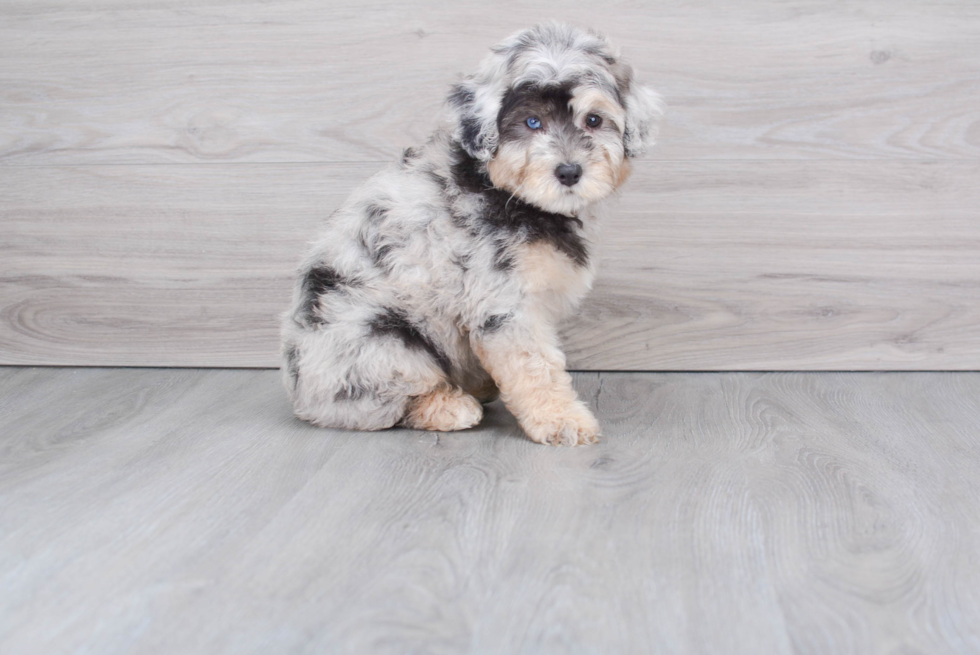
(373, 374)
(359, 383)
(444, 409)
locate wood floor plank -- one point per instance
(704, 265)
(242, 81)
(187, 511)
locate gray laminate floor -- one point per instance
(186, 511)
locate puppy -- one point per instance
(439, 284)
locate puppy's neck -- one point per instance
(501, 210)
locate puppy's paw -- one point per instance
(444, 410)
(574, 427)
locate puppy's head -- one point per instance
(555, 114)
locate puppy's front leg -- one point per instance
(529, 370)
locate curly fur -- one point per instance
(441, 281)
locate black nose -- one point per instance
(568, 174)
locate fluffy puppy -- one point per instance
(439, 284)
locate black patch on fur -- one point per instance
(468, 174)
(471, 133)
(461, 96)
(292, 364)
(495, 322)
(394, 322)
(316, 282)
(556, 96)
(410, 154)
(349, 392)
(462, 99)
(502, 259)
(507, 213)
(550, 103)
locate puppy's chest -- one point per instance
(547, 272)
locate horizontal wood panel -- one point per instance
(814, 201)
(305, 81)
(705, 265)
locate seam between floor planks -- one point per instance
(187, 510)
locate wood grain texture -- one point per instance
(704, 266)
(813, 203)
(161, 511)
(241, 80)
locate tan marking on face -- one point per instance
(587, 100)
(618, 172)
(625, 168)
(539, 183)
(526, 168)
(506, 169)
(513, 169)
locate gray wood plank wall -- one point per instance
(813, 203)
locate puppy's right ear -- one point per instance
(474, 109)
(644, 110)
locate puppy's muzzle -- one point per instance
(568, 174)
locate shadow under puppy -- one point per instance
(442, 280)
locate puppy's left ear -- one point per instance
(474, 109)
(644, 110)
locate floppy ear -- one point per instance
(644, 109)
(474, 109)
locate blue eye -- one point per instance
(533, 123)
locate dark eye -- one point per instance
(593, 121)
(533, 123)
